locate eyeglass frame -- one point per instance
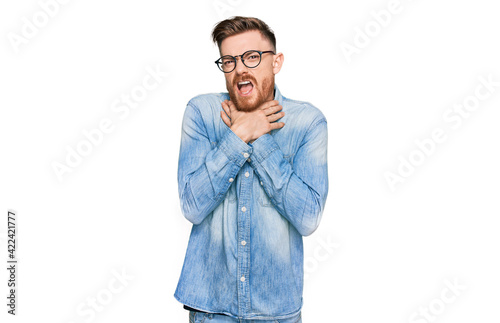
(242, 60)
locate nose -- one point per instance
(240, 67)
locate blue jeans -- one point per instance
(197, 317)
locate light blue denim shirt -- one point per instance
(250, 205)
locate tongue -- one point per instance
(246, 87)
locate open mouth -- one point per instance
(245, 88)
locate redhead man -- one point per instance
(253, 181)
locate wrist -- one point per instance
(238, 131)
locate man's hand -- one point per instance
(251, 125)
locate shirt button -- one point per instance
(246, 155)
(249, 160)
(243, 209)
(243, 242)
(247, 174)
(231, 180)
(261, 183)
(242, 278)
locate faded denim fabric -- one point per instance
(250, 205)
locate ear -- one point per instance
(278, 62)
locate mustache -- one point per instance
(242, 79)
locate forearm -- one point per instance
(298, 193)
(205, 175)
(301, 204)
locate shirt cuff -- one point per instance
(263, 147)
(235, 148)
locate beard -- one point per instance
(259, 95)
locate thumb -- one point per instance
(232, 106)
(225, 118)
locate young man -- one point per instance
(253, 180)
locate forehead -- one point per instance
(238, 44)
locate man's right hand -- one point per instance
(251, 125)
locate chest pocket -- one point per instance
(264, 200)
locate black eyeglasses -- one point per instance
(250, 59)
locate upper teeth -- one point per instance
(245, 82)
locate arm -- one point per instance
(205, 174)
(298, 193)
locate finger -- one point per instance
(276, 116)
(231, 105)
(273, 102)
(225, 118)
(225, 106)
(273, 106)
(273, 109)
(269, 104)
(276, 108)
(277, 125)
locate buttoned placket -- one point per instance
(244, 218)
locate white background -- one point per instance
(379, 254)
